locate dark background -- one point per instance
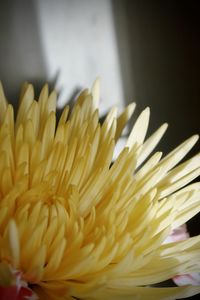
(164, 38)
(164, 52)
(164, 57)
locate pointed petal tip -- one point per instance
(131, 107)
(165, 125)
(29, 88)
(96, 86)
(195, 137)
(1, 89)
(159, 154)
(97, 80)
(192, 140)
(146, 112)
(45, 88)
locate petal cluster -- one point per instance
(78, 225)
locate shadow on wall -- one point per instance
(163, 62)
(21, 53)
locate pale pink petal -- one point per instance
(180, 234)
(193, 279)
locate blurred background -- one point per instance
(144, 51)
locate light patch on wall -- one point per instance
(79, 44)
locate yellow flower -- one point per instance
(76, 225)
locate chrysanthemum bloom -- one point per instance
(74, 225)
